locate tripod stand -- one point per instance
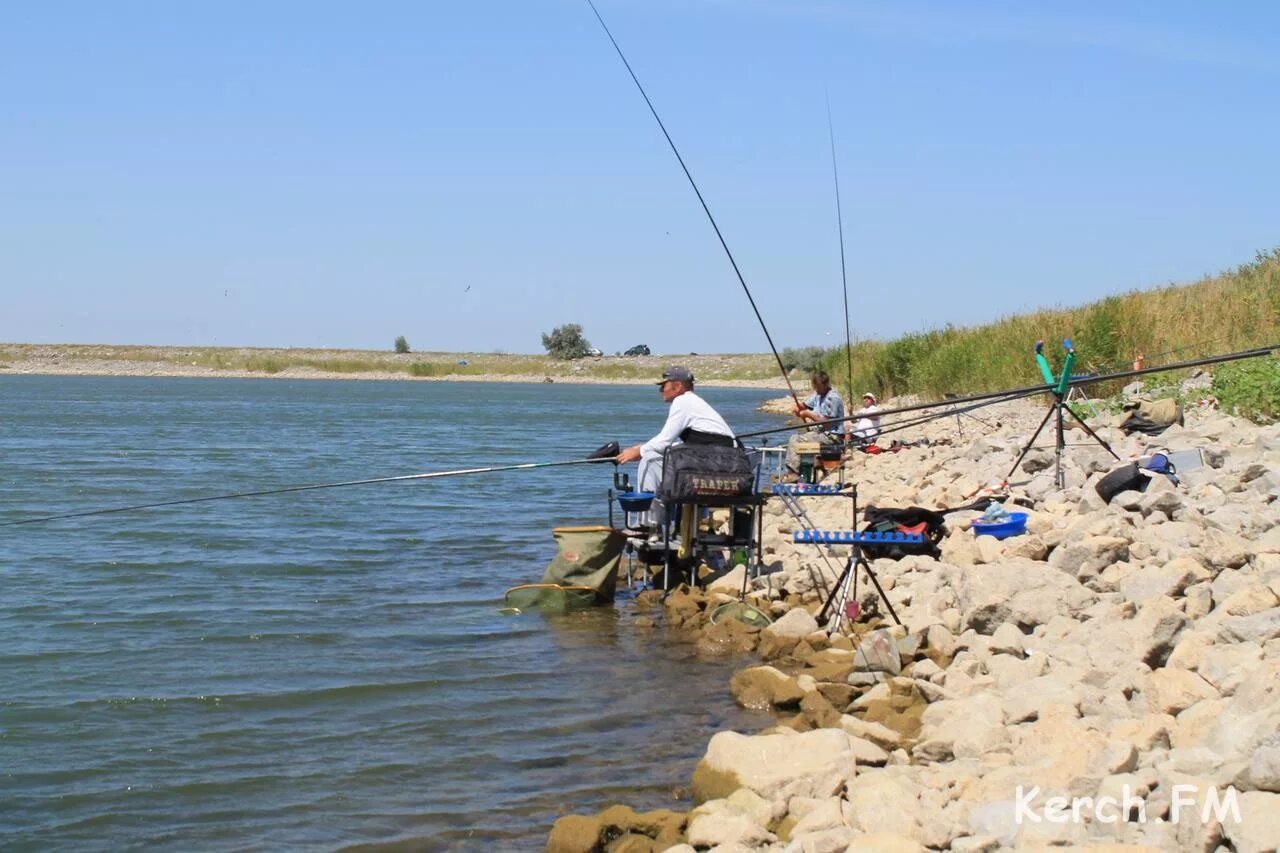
(1057, 410)
(841, 594)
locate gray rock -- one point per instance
(1085, 559)
(1259, 828)
(1170, 691)
(876, 733)
(1155, 581)
(797, 623)
(1007, 640)
(812, 764)
(763, 687)
(1257, 628)
(716, 828)
(1199, 598)
(1154, 501)
(1130, 500)
(1227, 667)
(1020, 591)
(867, 754)
(1263, 770)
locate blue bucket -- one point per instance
(635, 501)
(1013, 525)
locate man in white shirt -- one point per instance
(690, 419)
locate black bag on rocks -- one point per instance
(928, 523)
(1125, 478)
(706, 474)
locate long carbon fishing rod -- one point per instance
(284, 489)
(701, 200)
(844, 278)
(952, 411)
(1032, 390)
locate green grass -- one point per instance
(1236, 310)
(1251, 388)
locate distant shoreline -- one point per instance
(726, 371)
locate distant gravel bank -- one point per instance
(732, 370)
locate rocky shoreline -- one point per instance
(1094, 682)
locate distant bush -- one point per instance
(1250, 388)
(402, 346)
(806, 359)
(264, 364)
(566, 342)
(422, 368)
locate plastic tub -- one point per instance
(635, 501)
(1013, 525)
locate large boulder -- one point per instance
(1154, 581)
(737, 820)
(778, 766)
(1086, 558)
(1171, 691)
(1259, 828)
(1257, 628)
(885, 802)
(1021, 591)
(763, 687)
(780, 638)
(1251, 717)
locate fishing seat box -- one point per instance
(706, 475)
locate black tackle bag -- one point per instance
(706, 474)
(926, 522)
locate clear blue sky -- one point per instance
(336, 174)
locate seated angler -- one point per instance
(867, 427)
(690, 420)
(824, 404)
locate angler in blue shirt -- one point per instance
(824, 404)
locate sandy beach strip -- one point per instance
(729, 371)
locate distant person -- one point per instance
(690, 420)
(867, 427)
(824, 404)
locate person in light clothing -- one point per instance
(689, 420)
(867, 426)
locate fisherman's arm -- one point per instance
(676, 422)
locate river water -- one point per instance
(323, 668)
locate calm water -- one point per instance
(323, 668)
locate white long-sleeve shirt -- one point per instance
(687, 410)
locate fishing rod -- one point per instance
(898, 426)
(1032, 390)
(701, 200)
(844, 279)
(605, 453)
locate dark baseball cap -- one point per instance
(677, 373)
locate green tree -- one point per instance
(566, 342)
(402, 346)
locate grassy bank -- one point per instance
(1236, 310)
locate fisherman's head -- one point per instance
(820, 381)
(674, 382)
(868, 399)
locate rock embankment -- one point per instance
(1105, 678)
